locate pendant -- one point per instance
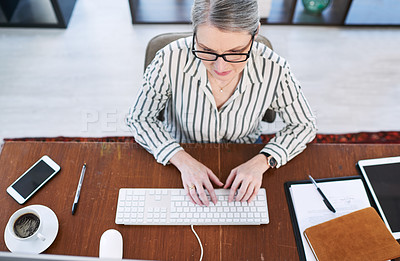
(220, 90)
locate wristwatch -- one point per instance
(270, 160)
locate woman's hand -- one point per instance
(247, 177)
(196, 177)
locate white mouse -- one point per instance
(111, 245)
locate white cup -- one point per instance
(26, 224)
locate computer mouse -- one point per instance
(111, 245)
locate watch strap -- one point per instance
(265, 154)
(270, 160)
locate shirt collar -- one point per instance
(250, 75)
(195, 68)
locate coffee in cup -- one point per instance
(25, 224)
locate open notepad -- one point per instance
(307, 208)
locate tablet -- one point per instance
(382, 177)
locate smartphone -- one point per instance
(33, 179)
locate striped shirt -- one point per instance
(177, 81)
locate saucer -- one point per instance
(35, 246)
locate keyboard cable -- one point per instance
(198, 239)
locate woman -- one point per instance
(215, 87)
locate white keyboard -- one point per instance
(138, 206)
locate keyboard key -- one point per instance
(259, 203)
(139, 192)
(175, 192)
(177, 198)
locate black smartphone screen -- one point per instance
(385, 181)
(33, 179)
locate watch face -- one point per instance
(272, 162)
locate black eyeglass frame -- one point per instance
(223, 55)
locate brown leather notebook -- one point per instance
(360, 235)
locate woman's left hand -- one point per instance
(247, 177)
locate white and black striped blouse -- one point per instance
(177, 81)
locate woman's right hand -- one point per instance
(195, 178)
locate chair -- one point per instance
(161, 40)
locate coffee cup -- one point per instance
(26, 224)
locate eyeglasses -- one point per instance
(228, 57)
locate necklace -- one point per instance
(221, 89)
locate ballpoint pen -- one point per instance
(78, 190)
(326, 201)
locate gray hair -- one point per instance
(226, 15)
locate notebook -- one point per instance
(360, 235)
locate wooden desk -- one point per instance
(111, 166)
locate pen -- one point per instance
(326, 201)
(78, 190)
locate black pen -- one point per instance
(326, 201)
(78, 190)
